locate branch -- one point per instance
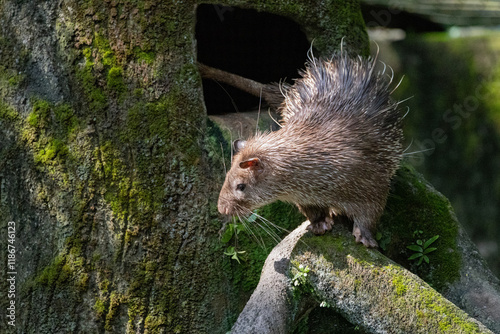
(374, 292)
(270, 92)
(367, 288)
(269, 308)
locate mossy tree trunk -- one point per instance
(104, 164)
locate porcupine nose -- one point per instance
(223, 209)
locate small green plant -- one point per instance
(233, 229)
(233, 253)
(324, 304)
(383, 240)
(300, 277)
(421, 248)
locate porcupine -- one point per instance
(338, 148)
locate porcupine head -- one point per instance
(335, 154)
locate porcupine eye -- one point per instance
(241, 187)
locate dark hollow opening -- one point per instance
(256, 45)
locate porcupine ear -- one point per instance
(254, 164)
(238, 145)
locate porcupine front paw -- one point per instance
(321, 226)
(319, 218)
(364, 236)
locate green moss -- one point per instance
(100, 62)
(147, 56)
(398, 283)
(114, 303)
(50, 274)
(65, 116)
(138, 93)
(100, 307)
(15, 80)
(66, 270)
(8, 113)
(455, 320)
(429, 212)
(140, 287)
(88, 81)
(39, 116)
(10, 77)
(115, 79)
(101, 44)
(54, 149)
(33, 119)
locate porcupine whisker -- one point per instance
(231, 145)
(269, 224)
(223, 160)
(310, 54)
(281, 85)
(377, 53)
(416, 152)
(408, 147)
(407, 112)
(402, 101)
(272, 224)
(249, 229)
(244, 220)
(277, 238)
(262, 228)
(265, 227)
(385, 67)
(258, 113)
(241, 130)
(392, 78)
(372, 66)
(399, 83)
(229, 95)
(262, 223)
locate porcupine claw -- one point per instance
(321, 227)
(365, 237)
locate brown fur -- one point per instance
(338, 148)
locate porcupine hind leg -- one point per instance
(362, 232)
(320, 219)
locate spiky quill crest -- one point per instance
(339, 145)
